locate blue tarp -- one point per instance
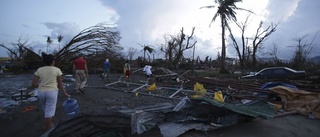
(268, 85)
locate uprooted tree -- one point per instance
(101, 41)
(96, 39)
(176, 45)
(22, 54)
(18, 48)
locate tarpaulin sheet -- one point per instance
(305, 102)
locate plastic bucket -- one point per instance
(71, 107)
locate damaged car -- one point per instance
(277, 73)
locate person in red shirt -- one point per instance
(80, 71)
(127, 70)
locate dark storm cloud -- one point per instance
(302, 22)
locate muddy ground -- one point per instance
(16, 123)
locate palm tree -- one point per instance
(226, 11)
(59, 40)
(146, 48)
(49, 42)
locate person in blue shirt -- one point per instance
(106, 69)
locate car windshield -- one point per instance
(259, 72)
(291, 69)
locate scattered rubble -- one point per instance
(199, 108)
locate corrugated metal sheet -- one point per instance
(263, 109)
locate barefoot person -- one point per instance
(80, 71)
(46, 79)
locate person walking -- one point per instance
(48, 81)
(1, 71)
(127, 71)
(148, 71)
(80, 71)
(106, 69)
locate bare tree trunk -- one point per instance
(223, 50)
(194, 48)
(259, 38)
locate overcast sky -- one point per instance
(147, 21)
